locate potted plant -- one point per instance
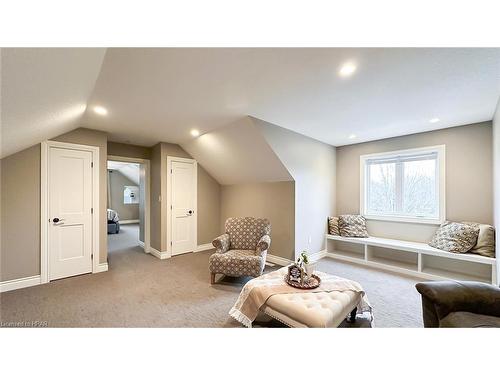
(303, 262)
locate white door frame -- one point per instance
(147, 189)
(44, 204)
(166, 203)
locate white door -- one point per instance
(183, 202)
(69, 209)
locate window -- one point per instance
(131, 195)
(404, 185)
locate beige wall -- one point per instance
(20, 214)
(312, 165)
(155, 203)
(95, 138)
(469, 182)
(130, 151)
(20, 177)
(208, 191)
(117, 182)
(272, 200)
(496, 182)
(209, 207)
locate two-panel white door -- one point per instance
(183, 203)
(69, 210)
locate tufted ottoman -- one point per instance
(314, 310)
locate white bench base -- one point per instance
(412, 258)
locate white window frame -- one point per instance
(440, 181)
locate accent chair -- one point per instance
(242, 249)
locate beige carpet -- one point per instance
(140, 290)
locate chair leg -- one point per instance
(212, 278)
(352, 316)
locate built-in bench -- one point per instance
(412, 258)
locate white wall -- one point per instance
(312, 165)
(496, 179)
(237, 154)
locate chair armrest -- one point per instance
(222, 243)
(263, 244)
(470, 296)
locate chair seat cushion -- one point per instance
(237, 263)
(464, 319)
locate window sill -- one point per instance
(405, 219)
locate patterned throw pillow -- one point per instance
(485, 245)
(352, 226)
(455, 237)
(333, 226)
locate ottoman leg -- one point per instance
(352, 315)
(212, 278)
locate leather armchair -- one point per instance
(464, 304)
(242, 249)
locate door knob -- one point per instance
(55, 220)
(190, 212)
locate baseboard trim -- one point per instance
(101, 267)
(206, 246)
(278, 260)
(314, 257)
(23, 282)
(159, 254)
(133, 221)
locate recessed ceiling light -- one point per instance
(347, 69)
(434, 120)
(100, 110)
(195, 133)
(352, 136)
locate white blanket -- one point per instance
(256, 292)
(113, 215)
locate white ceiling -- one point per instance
(160, 94)
(44, 92)
(129, 170)
(237, 153)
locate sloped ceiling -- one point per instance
(44, 92)
(129, 170)
(160, 94)
(237, 153)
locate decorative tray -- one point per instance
(312, 282)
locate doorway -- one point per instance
(127, 206)
(181, 205)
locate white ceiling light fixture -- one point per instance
(195, 132)
(352, 136)
(100, 110)
(347, 69)
(434, 120)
